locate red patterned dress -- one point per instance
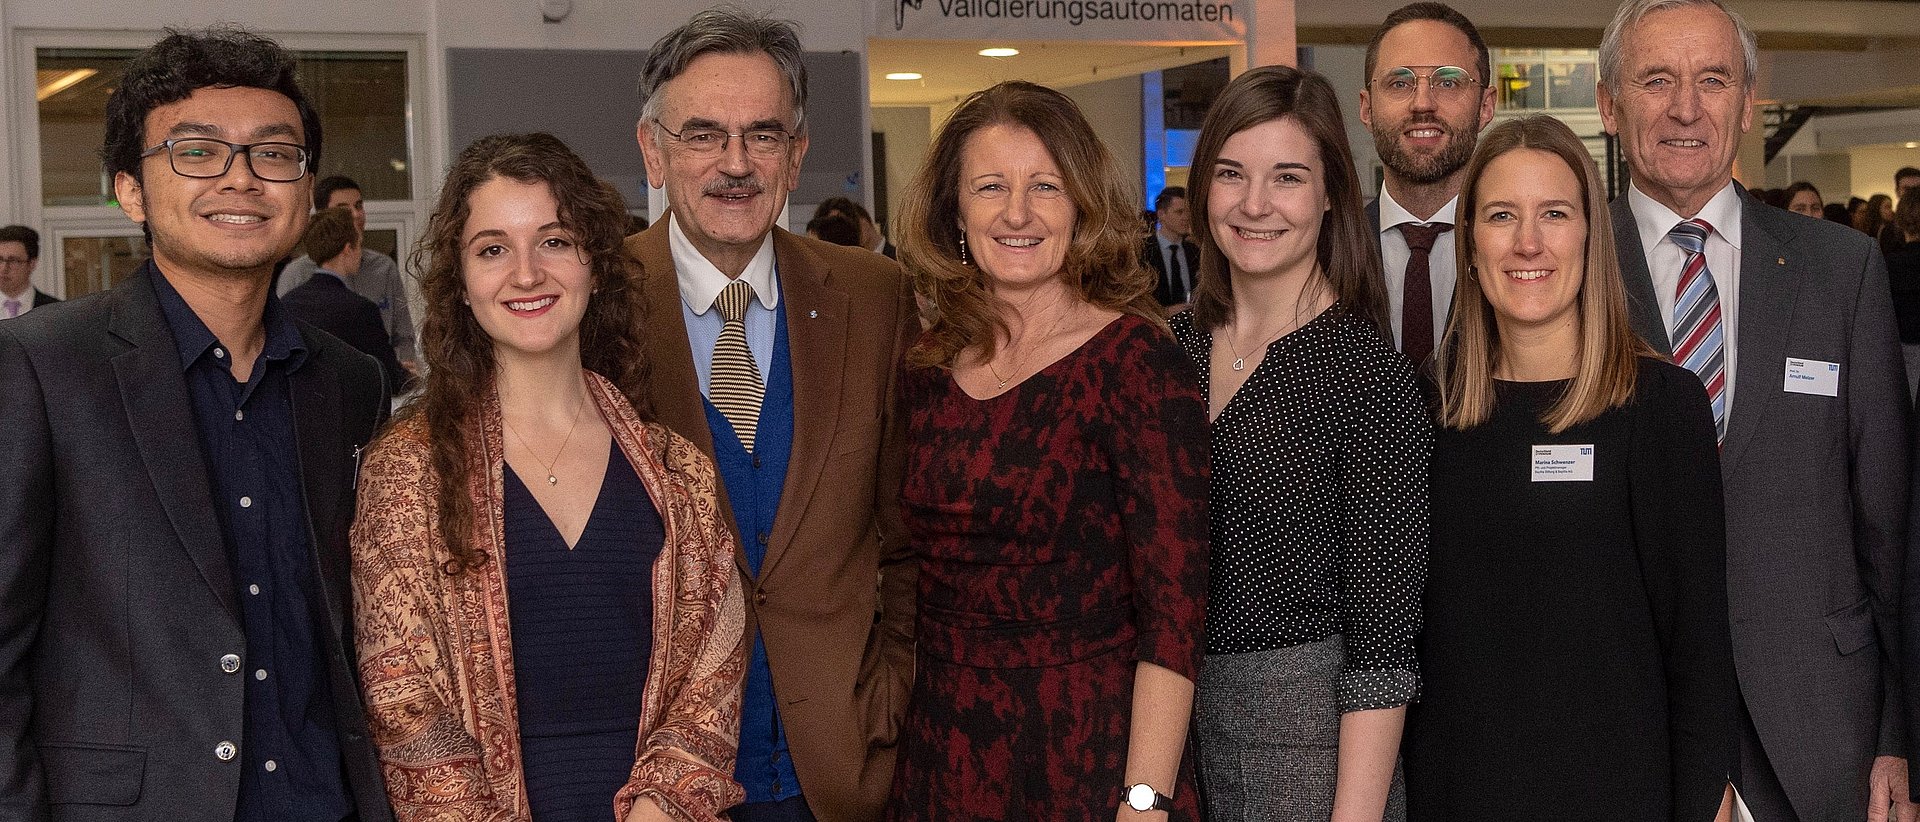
(1062, 534)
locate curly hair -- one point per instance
(1102, 264)
(186, 61)
(458, 352)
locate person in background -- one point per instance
(19, 256)
(779, 356)
(1905, 181)
(1803, 198)
(1903, 276)
(545, 602)
(1576, 647)
(379, 279)
(1837, 213)
(870, 237)
(329, 302)
(176, 482)
(1788, 325)
(1429, 93)
(1168, 250)
(835, 228)
(1318, 500)
(1056, 485)
(1874, 216)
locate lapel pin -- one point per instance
(1781, 260)
(814, 315)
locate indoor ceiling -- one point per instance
(952, 69)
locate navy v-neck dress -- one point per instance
(582, 627)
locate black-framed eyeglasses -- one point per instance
(765, 143)
(205, 157)
(1401, 83)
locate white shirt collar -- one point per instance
(1654, 219)
(701, 281)
(1393, 214)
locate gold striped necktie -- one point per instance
(734, 386)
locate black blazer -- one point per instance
(1162, 291)
(328, 303)
(117, 603)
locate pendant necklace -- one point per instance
(1240, 360)
(1023, 354)
(551, 479)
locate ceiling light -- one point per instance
(999, 52)
(903, 75)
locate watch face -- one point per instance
(1140, 797)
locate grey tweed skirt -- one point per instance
(1267, 733)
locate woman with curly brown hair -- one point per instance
(1056, 485)
(547, 615)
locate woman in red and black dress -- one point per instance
(1056, 486)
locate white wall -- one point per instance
(1872, 168)
(1113, 107)
(909, 136)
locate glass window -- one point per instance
(1546, 78)
(361, 98)
(97, 263)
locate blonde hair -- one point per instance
(1606, 363)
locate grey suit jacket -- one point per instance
(117, 602)
(1816, 498)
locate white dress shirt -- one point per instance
(25, 298)
(701, 282)
(1394, 255)
(1665, 261)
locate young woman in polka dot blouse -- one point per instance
(1318, 498)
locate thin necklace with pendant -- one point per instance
(551, 479)
(1240, 360)
(1023, 354)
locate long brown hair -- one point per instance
(1470, 350)
(459, 354)
(1348, 250)
(1102, 265)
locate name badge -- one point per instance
(1562, 463)
(1813, 377)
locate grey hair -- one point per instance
(726, 30)
(1633, 11)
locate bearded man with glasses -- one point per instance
(777, 354)
(1426, 100)
(177, 481)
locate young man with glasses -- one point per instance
(19, 256)
(177, 482)
(1426, 100)
(777, 355)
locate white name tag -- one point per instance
(1562, 463)
(1813, 377)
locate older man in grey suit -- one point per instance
(1788, 322)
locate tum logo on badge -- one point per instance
(900, 12)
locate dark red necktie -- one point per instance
(1416, 304)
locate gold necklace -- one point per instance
(1023, 354)
(551, 479)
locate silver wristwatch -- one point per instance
(1141, 797)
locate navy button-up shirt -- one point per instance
(291, 757)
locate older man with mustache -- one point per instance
(777, 354)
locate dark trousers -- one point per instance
(1758, 785)
(785, 810)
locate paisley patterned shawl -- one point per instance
(436, 657)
